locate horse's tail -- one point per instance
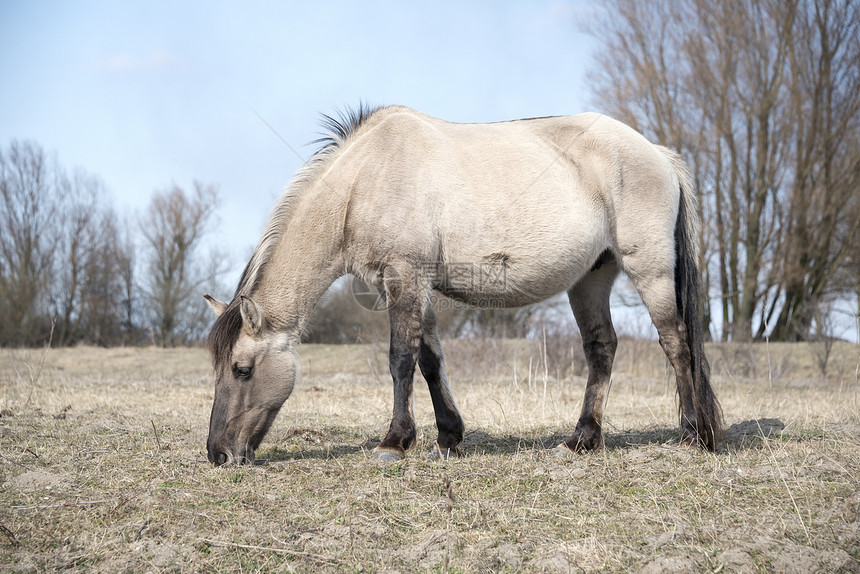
(709, 416)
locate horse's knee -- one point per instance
(600, 351)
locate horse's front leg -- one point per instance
(405, 314)
(432, 364)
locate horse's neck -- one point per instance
(306, 261)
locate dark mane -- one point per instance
(337, 130)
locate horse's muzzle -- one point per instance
(220, 454)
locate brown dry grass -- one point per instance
(103, 468)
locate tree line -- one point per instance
(74, 272)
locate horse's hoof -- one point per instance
(439, 453)
(689, 438)
(562, 450)
(386, 456)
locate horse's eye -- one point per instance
(244, 372)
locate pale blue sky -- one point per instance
(145, 94)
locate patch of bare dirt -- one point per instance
(33, 480)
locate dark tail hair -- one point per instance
(709, 415)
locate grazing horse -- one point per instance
(403, 200)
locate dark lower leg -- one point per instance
(674, 342)
(588, 433)
(448, 420)
(589, 301)
(405, 318)
(401, 433)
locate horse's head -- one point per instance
(255, 369)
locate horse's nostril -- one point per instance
(220, 459)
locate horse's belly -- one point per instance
(509, 275)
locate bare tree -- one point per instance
(84, 293)
(822, 219)
(762, 96)
(173, 228)
(28, 236)
(102, 314)
(125, 254)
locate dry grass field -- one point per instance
(103, 468)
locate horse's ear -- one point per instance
(217, 306)
(252, 317)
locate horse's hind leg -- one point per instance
(656, 286)
(589, 300)
(432, 364)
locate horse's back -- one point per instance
(541, 160)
